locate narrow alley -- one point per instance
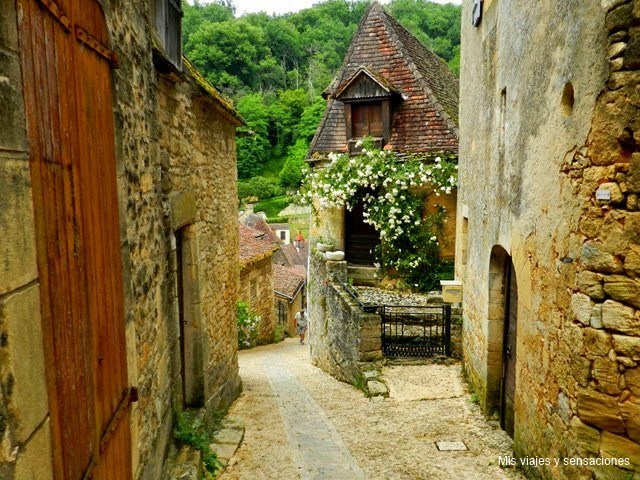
(302, 423)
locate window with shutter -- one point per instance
(167, 16)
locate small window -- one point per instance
(167, 16)
(283, 235)
(367, 120)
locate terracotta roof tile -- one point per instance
(287, 281)
(254, 245)
(427, 119)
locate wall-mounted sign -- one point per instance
(476, 13)
(603, 194)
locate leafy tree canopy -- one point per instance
(275, 66)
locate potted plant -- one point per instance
(324, 245)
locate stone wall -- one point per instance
(341, 336)
(25, 436)
(537, 143)
(261, 300)
(177, 172)
(173, 140)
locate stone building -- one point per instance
(118, 270)
(256, 278)
(289, 289)
(395, 90)
(549, 230)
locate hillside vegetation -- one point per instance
(275, 67)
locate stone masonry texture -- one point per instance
(540, 145)
(174, 139)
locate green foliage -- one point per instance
(276, 66)
(393, 193)
(258, 187)
(280, 333)
(248, 322)
(291, 173)
(272, 206)
(189, 430)
(361, 384)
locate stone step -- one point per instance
(366, 276)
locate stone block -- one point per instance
(596, 316)
(581, 308)
(183, 209)
(627, 346)
(617, 197)
(34, 459)
(370, 344)
(633, 177)
(596, 259)
(632, 379)
(13, 133)
(619, 18)
(616, 49)
(632, 260)
(590, 283)
(620, 318)
(18, 247)
(28, 401)
(231, 436)
(587, 438)
(607, 376)
(615, 446)
(632, 202)
(224, 451)
(377, 389)
(596, 342)
(8, 30)
(630, 412)
(599, 410)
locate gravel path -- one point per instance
(302, 423)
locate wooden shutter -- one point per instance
(67, 87)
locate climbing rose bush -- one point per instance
(248, 322)
(393, 191)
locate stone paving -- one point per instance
(302, 423)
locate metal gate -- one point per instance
(416, 331)
(66, 68)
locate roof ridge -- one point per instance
(393, 24)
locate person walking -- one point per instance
(301, 324)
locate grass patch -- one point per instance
(189, 430)
(272, 206)
(272, 168)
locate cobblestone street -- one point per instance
(302, 423)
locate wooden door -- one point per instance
(361, 238)
(509, 352)
(367, 120)
(66, 67)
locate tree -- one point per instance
(228, 50)
(253, 150)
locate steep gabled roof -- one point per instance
(287, 281)
(385, 85)
(427, 119)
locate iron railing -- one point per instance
(411, 330)
(416, 331)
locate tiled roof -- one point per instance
(287, 281)
(259, 223)
(427, 119)
(254, 245)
